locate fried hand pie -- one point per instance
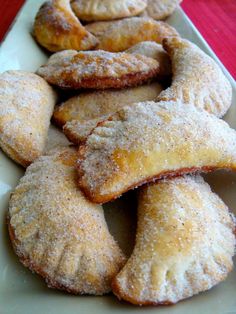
(59, 234)
(197, 78)
(57, 28)
(149, 141)
(70, 69)
(101, 10)
(184, 243)
(26, 107)
(131, 31)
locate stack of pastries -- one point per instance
(145, 113)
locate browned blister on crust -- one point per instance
(70, 69)
(152, 140)
(131, 31)
(102, 10)
(197, 78)
(160, 9)
(59, 234)
(57, 28)
(184, 243)
(26, 107)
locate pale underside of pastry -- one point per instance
(57, 28)
(184, 243)
(131, 31)
(59, 234)
(160, 9)
(197, 78)
(148, 141)
(26, 106)
(98, 69)
(153, 50)
(101, 10)
(55, 140)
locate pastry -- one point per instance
(26, 106)
(55, 140)
(131, 31)
(153, 50)
(57, 28)
(57, 233)
(98, 69)
(184, 243)
(197, 78)
(160, 9)
(101, 10)
(91, 105)
(148, 141)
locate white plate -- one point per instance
(21, 292)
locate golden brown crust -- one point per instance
(131, 31)
(57, 28)
(25, 112)
(184, 243)
(152, 140)
(57, 233)
(102, 10)
(98, 70)
(197, 78)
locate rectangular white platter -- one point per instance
(22, 292)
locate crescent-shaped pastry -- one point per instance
(26, 107)
(161, 9)
(130, 32)
(153, 50)
(184, 243)
(57, 233)
(98, 69)
(102, 10)
(57, 28)
(148, 141)
(197, 78)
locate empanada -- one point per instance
(57, 233)
(57, 28)
(102, 10)
(70, 69)
(26, 107)
(160, 9)
(120, 35)
(91, 105)
(153, 50)
(184, 243)
(197, 78)
(149, 141)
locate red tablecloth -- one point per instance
(215, 19)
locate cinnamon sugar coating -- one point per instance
(184, 243)
(70, 69)
(57, 28)
(152, 140)
(116, 36)
(102, 10)
(26, 107)
(197, 78)
(160, 9)
(153, 50)
(59, 234)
